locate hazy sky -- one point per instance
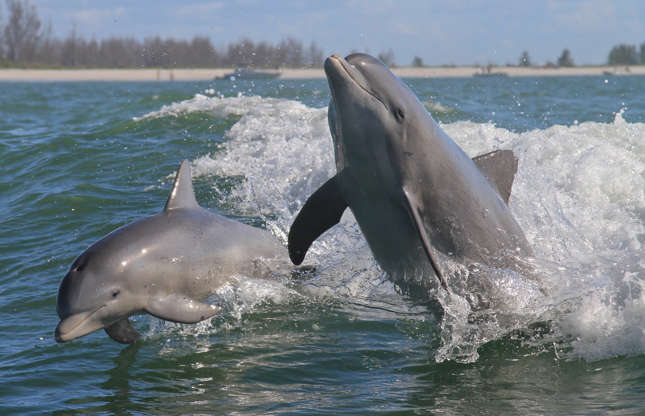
(440, 32)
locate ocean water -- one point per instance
(80, 159)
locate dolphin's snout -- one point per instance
(58, 334)
(67, 325)
(332, 65)
(341, 74)
(77, 325)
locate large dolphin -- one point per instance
(420, 201)
(164, 265)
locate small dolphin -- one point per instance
(164, 265)
(418, 198)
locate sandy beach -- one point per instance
(28, 75)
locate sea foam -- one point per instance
(579, 195)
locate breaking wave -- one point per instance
(579, 195)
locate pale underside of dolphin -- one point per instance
(419, 200)
(164, 265)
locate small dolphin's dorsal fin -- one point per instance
(413, 206)
(182, 194)
(323, 210)
(499, 167)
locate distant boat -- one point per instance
(487, 71)
(490, 74)
(249, 74)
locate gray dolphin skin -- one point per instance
(164, 265)
(419, 200)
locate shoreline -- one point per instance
(209, 74)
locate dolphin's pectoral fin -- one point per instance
(413, 206)
(182, 309)
(123, 332)
(499, 167)
(323, 210)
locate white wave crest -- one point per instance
(579, 195)
(218, 106)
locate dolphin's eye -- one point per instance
(115, 293)
(399, 114)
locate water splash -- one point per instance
(579, 195)
(218, 106)
(436, 107)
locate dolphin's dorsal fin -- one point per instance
(322, 211)
(182, 194)
(499, 167)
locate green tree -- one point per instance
(565, 59)
(525, 59)
(315, 56)
(623, 54)
(1, 38)
(295, 52)
(22, 32)
(417, 62)
(387, 58)
(69, 52)
(642, 53)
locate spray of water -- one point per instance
(579, 195)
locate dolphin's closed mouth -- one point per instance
(74, 326)
(341, 65)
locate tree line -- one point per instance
(564, 60)
(24, 41)
(625, 54)
(622, 54)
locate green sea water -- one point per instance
(81, 159)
